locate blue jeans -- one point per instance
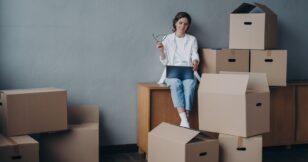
(182, 92)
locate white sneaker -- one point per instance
(184, 124)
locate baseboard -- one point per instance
(283, 147)
(114, 149)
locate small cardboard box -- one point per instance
(79, 143)
(238, 149)
(18, 149)
(253, 30)
(215, 60)
(170, 143)
(235, 104)
(271, 62)
(27, 111)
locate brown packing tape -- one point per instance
(16, 153)
(232, 52)
(269, 53)
(240, 144)
(232, 58)
(268, 58)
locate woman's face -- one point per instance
(182, 25)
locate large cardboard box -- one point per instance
(235, 104)
(271, 62)
(238, 149)
(253, 30)
(18, 149)
(216, 60)
(168, 143)
(80, 143)
(27, 111)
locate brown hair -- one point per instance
(178, 16)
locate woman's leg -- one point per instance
(178, 99)
(189, 86)
(177, 92)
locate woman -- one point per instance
(180, 49)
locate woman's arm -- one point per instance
(162, 51)
(195, 56)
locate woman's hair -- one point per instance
(178, 16)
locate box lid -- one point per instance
(244, 8)
(174, 133)
(84, 126)
(83, 114)
(247, 8)
(33, 90)
(223, 83)
(12, 141)
(234, 83)
(258, 82)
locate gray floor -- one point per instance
(276, 154)
(295, 154)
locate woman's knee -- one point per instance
(189, 83)
(174, 83)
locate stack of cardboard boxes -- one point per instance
(252, 43)
(233, 95)
(80, 143)
(43, 110)
(237, 105)
(29, 111)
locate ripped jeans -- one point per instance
(182, 92)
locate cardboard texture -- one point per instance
(168, 143)
(271, 62)
(253, 30)
(80, 143)
(214, 61)
(237, 149)
(235, 104)
(28, 111)
(18, 149)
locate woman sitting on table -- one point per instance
(180, 49)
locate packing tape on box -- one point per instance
(268, 56)
(232, 52)
(269, 53)
(240, 144)
(16, 153)
(232, 57)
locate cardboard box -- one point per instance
(253, 30)
(215, 60)
(238, 149)
(271, 62)
(170, 143)
(80, 143)
(18, 149)
(28, 111)
(235, 104)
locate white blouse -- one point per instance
(189, 52)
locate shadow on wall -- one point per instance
(291, 40)
(103, 131)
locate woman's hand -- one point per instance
(159, 45)
(195, 64)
